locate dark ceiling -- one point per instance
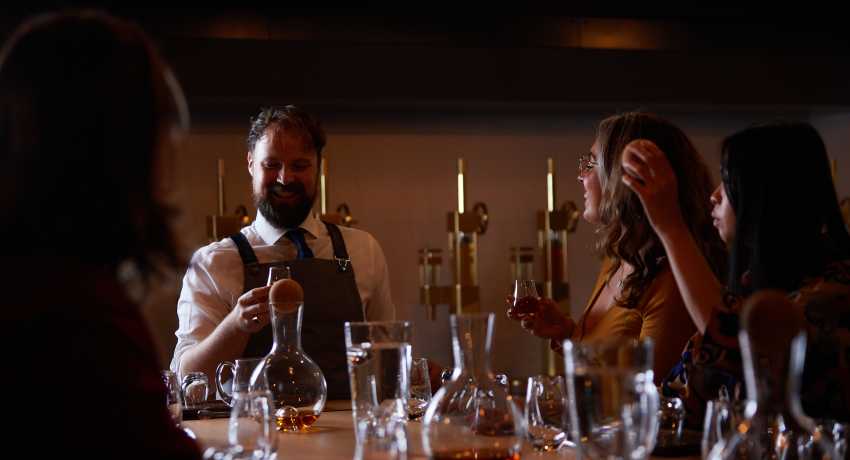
(233, 59)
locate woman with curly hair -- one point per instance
(635, 295)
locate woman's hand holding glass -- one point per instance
(537, 315)
(523, 299)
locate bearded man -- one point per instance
(223, 307)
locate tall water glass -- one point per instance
(379, 356)
(612, 401)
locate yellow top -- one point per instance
(660, 314)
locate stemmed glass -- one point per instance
(523, 299)
(420, 389)
(279, 273)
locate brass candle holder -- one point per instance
(343, 215)
(463, 227)
(553, 228)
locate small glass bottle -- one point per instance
(471, 416)
(296, 382)
(430, 261)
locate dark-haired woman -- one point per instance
(88, 115)
(777, 211)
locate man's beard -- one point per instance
(285, 215)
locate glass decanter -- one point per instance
(295, 381)
(773, 350)
(471, 416)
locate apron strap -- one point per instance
(340, 253)
(244, 247)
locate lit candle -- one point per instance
(323, 185)
(461, 199)
(550, 185)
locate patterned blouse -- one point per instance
(713, 360)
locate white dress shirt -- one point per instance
(215, 277)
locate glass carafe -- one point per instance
(295, 381)
(773, 350)
(471, 416)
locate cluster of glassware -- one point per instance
(606, 406)
(770, 423)
(473, 416)
(613, 409)
(190, 393)
(251, 425)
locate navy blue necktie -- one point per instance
(297, 238)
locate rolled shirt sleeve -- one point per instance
(211, 286)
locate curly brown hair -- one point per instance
(626, 234)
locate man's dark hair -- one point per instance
(290, 118)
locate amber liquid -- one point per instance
(299, 422)
(416, 408)
(476, 454)
(522, 307)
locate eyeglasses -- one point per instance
(586, 163)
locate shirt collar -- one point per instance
(271, 234)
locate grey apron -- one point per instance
(330, 299)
